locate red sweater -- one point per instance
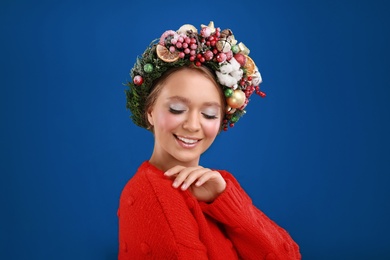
(157, 221)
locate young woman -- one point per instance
(185, 89)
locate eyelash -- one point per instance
(176, 112)
(209, 117)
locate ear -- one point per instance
(150, 116)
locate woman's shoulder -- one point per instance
(150, 193)
(146, 180)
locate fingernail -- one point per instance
(184, 186)
(174, 184)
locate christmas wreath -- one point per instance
(218, 50)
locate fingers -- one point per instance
(192, 177)
(174, 170)
(216, 178)
(185, 177)
(205, 177)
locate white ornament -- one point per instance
(187, 27)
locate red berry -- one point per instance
(208, 55)
(192, 58)
(221, 57)
(229, 55)
(198, 63)
(202, 59)
(138, 80)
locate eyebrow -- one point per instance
(187, 101)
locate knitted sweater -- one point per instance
(157, 221)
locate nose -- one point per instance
(192, 122)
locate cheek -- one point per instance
(211, 128)
(167, 121)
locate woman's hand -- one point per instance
(206, 185)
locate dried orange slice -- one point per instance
(249, 66)
(164, 54)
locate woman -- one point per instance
(186, 88)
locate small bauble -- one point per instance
(148, 67)
(138, 80)
(228, 92)
(237, 99)
(235, 49)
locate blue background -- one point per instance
(314, 155)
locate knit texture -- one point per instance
(157, 221)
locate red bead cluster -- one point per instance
(260, 93)
(211, 51)
(248, 88)
(188, 46)
(225, 124)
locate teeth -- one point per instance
(188, 141)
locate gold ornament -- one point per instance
(237, 100)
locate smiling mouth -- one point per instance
(187, 140)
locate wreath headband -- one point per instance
(236, 72)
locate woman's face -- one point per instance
(186, 118)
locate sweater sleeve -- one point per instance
(252, 233)
(155, 223)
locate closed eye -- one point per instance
(175, 111)
(209, 116)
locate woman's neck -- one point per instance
(166, 162)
